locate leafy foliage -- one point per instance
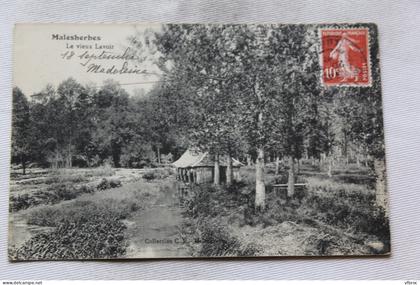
(335, 217)
(249, 91)
(21, 150)
(84, 230)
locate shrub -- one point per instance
(375, 223)
(347, 206)
(216, 241)
(326, 204)
(82, 229)
(47, 216)
(157, 174)
(282, 178)
(105, 184)
(96, 238)
(65, 175)
(87, 188)
(21, 202)
(53, 194)
(150, 175)
(114, 183)
(62, 192)
(81, 210)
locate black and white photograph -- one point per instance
(138, 141)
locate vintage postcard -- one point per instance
(196, 140)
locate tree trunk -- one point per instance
(381, 191)
(216, 179)
(345, 152)
(277, 165)
(248, 160)
(259, 181)
(158, 154)
(291, 178)
(229, 170)
(23, 161)
(330, 165)
(55, 162)
(298, 167)
(116, 155)
(69, 156)
(321, 161)
(259, 168)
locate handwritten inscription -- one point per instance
(102, 58)
(124, 69)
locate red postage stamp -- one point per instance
(345, 57)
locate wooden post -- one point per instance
(183, 175)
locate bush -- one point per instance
(216, 241)
(375, 223)
(157, 174)
(207, 201)
(103, 185)
(96, 238)
(61, 192)
(87, 188)
(282, 178)
(149, 176)
(339, 216)
(52, 195)
(21, 202)
(64, 176)
(206, 207)
(82, 229)
(108, 184)
(347, 206)
(277, 211)
(83, 210)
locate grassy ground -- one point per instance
(87, 225)
(333, 216)
(113, 213)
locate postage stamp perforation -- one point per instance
(345, 28)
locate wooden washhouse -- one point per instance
(198, 167)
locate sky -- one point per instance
(39, 59)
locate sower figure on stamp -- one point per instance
(341, 52)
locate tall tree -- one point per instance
(21, 138)
(283, 56)
(366, 120)
(116, 120)
(69, 92)
(199, 59)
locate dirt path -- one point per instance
(153, 232)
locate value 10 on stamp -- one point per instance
(345, 57)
